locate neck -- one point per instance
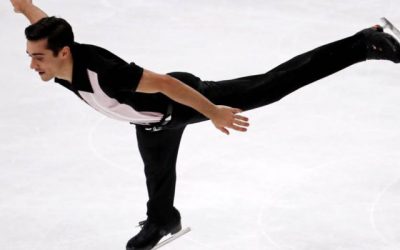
(67, 70)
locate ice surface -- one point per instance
(318, 170)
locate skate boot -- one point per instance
(151, 233)
(381, 45)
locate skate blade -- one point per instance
(388, 25)
(172, 238)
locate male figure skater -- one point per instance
(162, 105)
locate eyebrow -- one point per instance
(35, 54)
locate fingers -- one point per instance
(243, 123)
(231, 120)
(240, 123)
(238, 128)
(224, 130)
(236, 110)
(240, 117)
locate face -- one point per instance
(43, 60)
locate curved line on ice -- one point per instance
(373, 209)
(96, 152)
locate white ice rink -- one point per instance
(319, 170)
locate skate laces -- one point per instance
(146, 225)
(141, 224)
(375, 46)
(380, 42)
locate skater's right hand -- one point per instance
(20, 5)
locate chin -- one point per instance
(46, 78)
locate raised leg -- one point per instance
(259, 90)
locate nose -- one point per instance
(32, 64)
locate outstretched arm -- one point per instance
(28, 9)
(223, 117)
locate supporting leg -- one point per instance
(159, 151)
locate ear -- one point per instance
(65, 52)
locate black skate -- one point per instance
(381, 45)
(151, 234)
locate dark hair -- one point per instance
(57, 31)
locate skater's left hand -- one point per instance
(226, 117)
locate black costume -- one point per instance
(158, 137)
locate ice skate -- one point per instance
(381, 45)
(151, 233)
(387, 25)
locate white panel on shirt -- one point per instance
(114, 109)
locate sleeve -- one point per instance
(114, 72)
(122, 76)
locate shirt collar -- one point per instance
(80, 78)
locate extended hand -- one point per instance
(227, 117)
(20, 5)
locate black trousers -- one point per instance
(159, 150)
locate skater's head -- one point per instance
(49, 43)
(56, 31)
